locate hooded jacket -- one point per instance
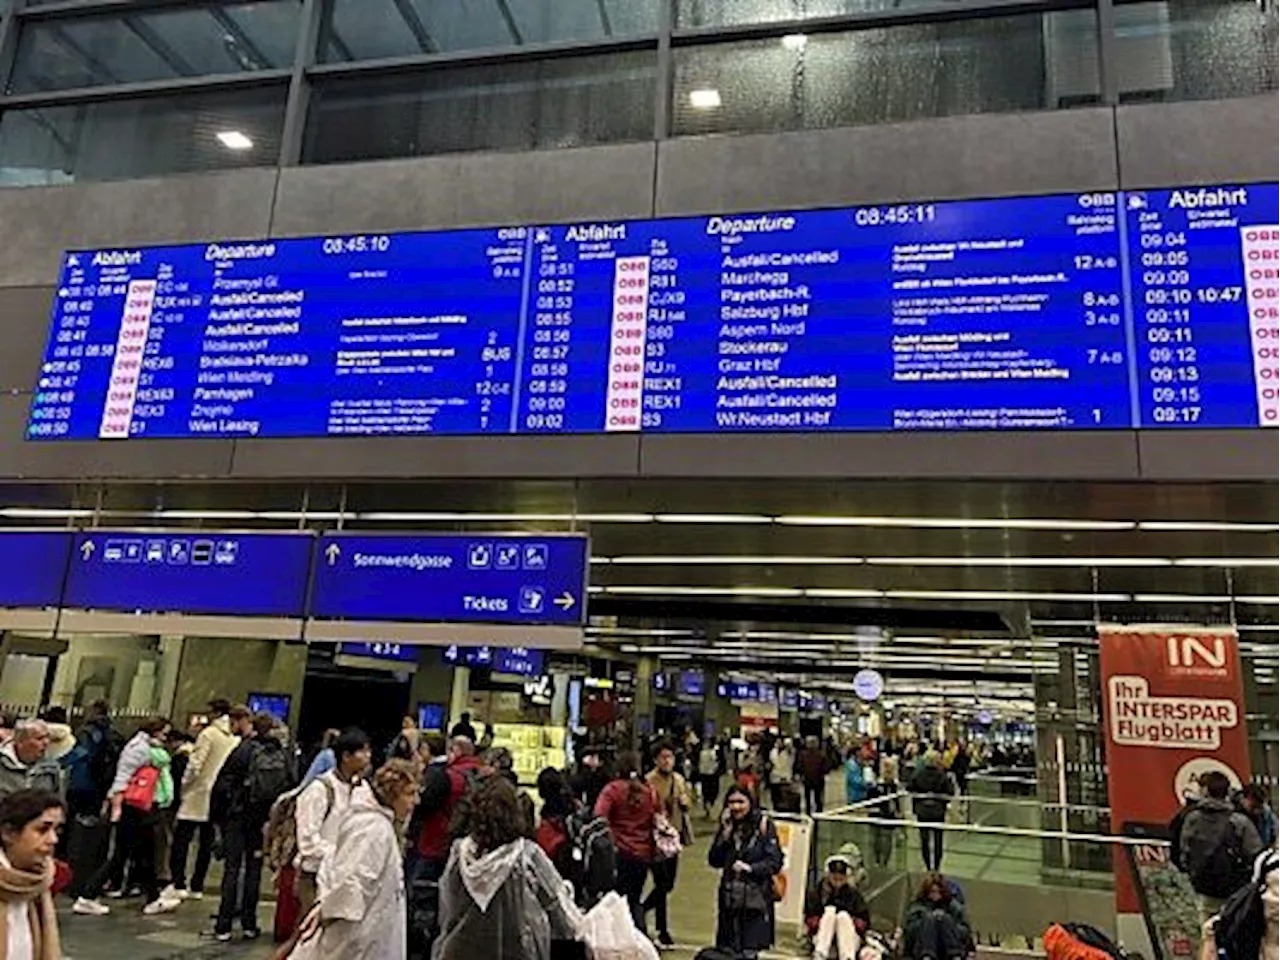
(213, 746)
(506, 904)
(1209, 821)
(44, 774)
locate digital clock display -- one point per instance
(1071, 311)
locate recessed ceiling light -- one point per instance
(704, 99)
(234, 140)
(795, 41)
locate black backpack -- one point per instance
(593, 851)
(267, 778)
(1217, 868)
(1242, 922)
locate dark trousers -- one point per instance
(135, 847)
(882, 844)
(632, 874)
(242, 850)
(813, 796)
(422, 881)
(937, 937)
(931, 847)
(664, 881)
(183, 833)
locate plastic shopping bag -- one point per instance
(611, 934)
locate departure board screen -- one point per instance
(1079, 311)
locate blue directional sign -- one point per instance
(458, 578)
(34, 564)
(197, 572)
(380, 650)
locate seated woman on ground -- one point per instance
(936, 927)
(836, 914)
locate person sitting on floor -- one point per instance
(836, 915)
(936, 927)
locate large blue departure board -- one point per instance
(1100, 310)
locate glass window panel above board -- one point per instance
(1195, 49)
(192, 41)
(564, 102)
(372, 29)
(884, 75)
(141, 137)
(691, 14)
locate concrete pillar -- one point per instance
(461, 693)
(642, 709)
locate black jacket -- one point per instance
(230, 798)
(846, 899)
(931, 780)
(745, 921)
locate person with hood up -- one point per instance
(747, 852)
(1218, 845)
(24, 764)
(213, 745)
(836, 914)
(360, 911)
(931, 790)
(29, 825)
(500, 897)
(935, 927)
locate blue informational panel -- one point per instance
(273, 704)
(431, 716)
(1019, 313)
(463, 578)
(693, 683)
(34, 564)
(1205, 294)
(196, 572)
(520, 661)
(380, 650)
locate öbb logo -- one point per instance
(1199, 656)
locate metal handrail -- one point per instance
(999, 831)
(1011, 801)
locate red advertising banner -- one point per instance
(1173, 702)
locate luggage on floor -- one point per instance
(717, 953)
(788, 798)
(88, 843)
(1079, 941)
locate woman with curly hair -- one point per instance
(500, 897)
(360, 912)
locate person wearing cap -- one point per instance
(836, 914)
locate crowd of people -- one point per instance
(439, 853)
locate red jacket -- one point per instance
(630, 822)
(433, 839)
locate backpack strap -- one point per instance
(330, 796)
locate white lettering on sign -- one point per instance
(126, 366)
(1196, 656)
(627, 336)
(414, 561)
(1176, 723)
(1261, 247)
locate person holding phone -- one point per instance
(747, 852)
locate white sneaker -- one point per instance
(173, 893)
(89, 908)
(192, 894)
(160, 905)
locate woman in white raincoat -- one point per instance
(360, 913)
(500, 897)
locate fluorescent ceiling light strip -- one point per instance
(1191, 526)
(1021, 561)
(1183, 598)
(1005, 595)
(956, 523)
(730, 559)
(709, 591)
(44, 513)
(463, 516)
(1272, 601)
(1226, 562)
(712, 518)
(205, 514)
(834, 593)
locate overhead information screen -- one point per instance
(1102, 310)
(34, 564)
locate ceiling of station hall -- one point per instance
(967, 580)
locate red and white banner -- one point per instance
(1173, 701)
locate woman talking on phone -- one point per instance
(747, 853)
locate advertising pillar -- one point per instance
(1173, 702)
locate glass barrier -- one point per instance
(1020, 866)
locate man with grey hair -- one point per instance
(23, 761)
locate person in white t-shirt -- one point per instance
(322, 806)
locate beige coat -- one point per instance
(213, 746)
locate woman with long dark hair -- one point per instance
(29, 825)
(935, 927)
(747, 853)
(628, 805)
(500, 897)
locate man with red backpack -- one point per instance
(443, 787)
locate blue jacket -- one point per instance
(855, 784)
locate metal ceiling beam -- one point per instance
(421, 35)
(95, 65)
(240, 36)
(605, 25)
(147, 34)
(509, 17)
